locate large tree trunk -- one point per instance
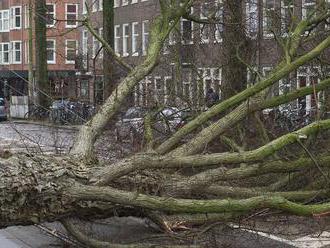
(108, 34)
(41, 53)
(234, 40)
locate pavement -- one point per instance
(27, 237)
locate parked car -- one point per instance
(3, 109)
(170, 119)
(131, 123)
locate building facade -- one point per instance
(62, 45)
(192, 58)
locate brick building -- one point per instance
(192, 59)
(62, 43)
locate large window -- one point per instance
(219, 21)
(269, 18)
(50, 15)
(117, 40)
(204, 28)
(135, 36)
(145, 36)
(16, 52)
(71, 15)
(287, 9)
(4, 53)
(252, 21)
(125, 39)
(308, 76)
(51, 51)
(4, 21)
(70, 51)
(97, 45)
(16, 17)
(187, 30)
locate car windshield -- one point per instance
(171, 113)
(134, 113)
(2, 102)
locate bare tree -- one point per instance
(153, 184)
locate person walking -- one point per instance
(211, 98)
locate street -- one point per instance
(272, 232)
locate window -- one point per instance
(4, 21)
(308, 8)
(26, 52)
(97, 45)
(85, 42)
(4, 59)
(173, 35)
(50, 15)
(252, 21)
(187, 86)
(145, 36)
(204, 28)
(117, 39)
(159, 90)
(169, 90)
(16, 52)
(70, 51)
(4, 47)
(287, 9)
(26, 16)
(97, 5)
(125, 39)
(116, 3)
(16, 17)
(51, 52)
(219, 19)
(84, 88)
(187, 30)
(268, 18)
(84, 46)
(71, 15)
(308, 76)
(135, 36)
(84, 9)
(124, 2)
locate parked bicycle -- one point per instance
(37, 113)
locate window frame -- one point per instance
(117, 38)
(13, 16)
(145, 37)
(51, 62)
(13, 52)
(71, 13)
(67, 49)
(125, 40)
(135, 39)
(54, 15)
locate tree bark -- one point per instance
(42, 82)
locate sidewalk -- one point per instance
(43, 123)
(27, 237)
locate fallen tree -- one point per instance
(176, 182)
